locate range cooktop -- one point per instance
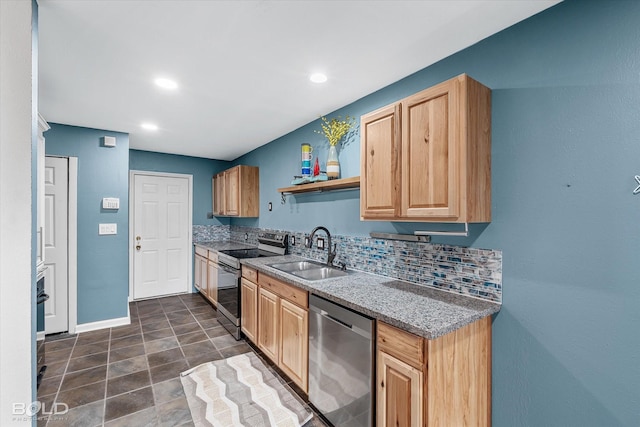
(248, 253)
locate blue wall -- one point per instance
(565, 123)
(201, 169)
(103, 261)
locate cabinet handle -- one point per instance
(372, 152)
(426, 136)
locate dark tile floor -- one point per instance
(129, 375)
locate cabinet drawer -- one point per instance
(213, 256)
(250, 274)
(288, 292)
(202, 251)
(401, 344)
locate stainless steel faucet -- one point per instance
(331, 254)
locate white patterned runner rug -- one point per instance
(241, 391)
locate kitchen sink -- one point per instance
(296, 266)
(319, 273)
(309, 270)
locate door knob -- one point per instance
(138, 247)
(138, 238)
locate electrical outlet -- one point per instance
(306, 241)
(293, 240)
(246, 236)
(320, 243)
(270, 206)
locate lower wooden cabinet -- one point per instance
(400, 398)
(455, 390)
(420, 383)
(293, 353)
(200, 266)
(206, 273)
(268, 315)
(275, 317)
(249, 312)
(212, 282)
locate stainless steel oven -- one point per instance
(229, 276)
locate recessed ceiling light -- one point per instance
(318, 78)
(149, 126)
(166, 83)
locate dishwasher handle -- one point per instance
(335, 319)
(346, 318)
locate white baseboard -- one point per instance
(103, 324)
(39, 336)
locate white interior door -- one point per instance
(161, 235)
(56, 244)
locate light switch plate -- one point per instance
(306, 241)
(107, 229)
(293, 240)
(320, 243)
(111, 203)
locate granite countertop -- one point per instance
(421, 310)
(223, 245)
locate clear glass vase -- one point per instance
(333, 164)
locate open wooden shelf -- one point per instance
(332, 184)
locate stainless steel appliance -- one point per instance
(340, 363)
(229, 275)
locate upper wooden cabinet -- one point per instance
(379, 171)
(218, 194)
(236, 192)
(428, 156)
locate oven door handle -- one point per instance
(228, 269)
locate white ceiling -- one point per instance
(242, 66)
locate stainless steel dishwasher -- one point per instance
(340, 363)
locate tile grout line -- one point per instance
(129, 391)
(64, 373)
(153, 392)
(106, 380)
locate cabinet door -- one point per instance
(431, 152)
(203, 276)
(294, 343)
(197, 266)
(218, 194)
(212, 282)
(268, 323)
(379, 167)
(399, 393)
(232, 191)
(249, 312)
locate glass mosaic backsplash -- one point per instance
(468, 271)
(205, 233)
